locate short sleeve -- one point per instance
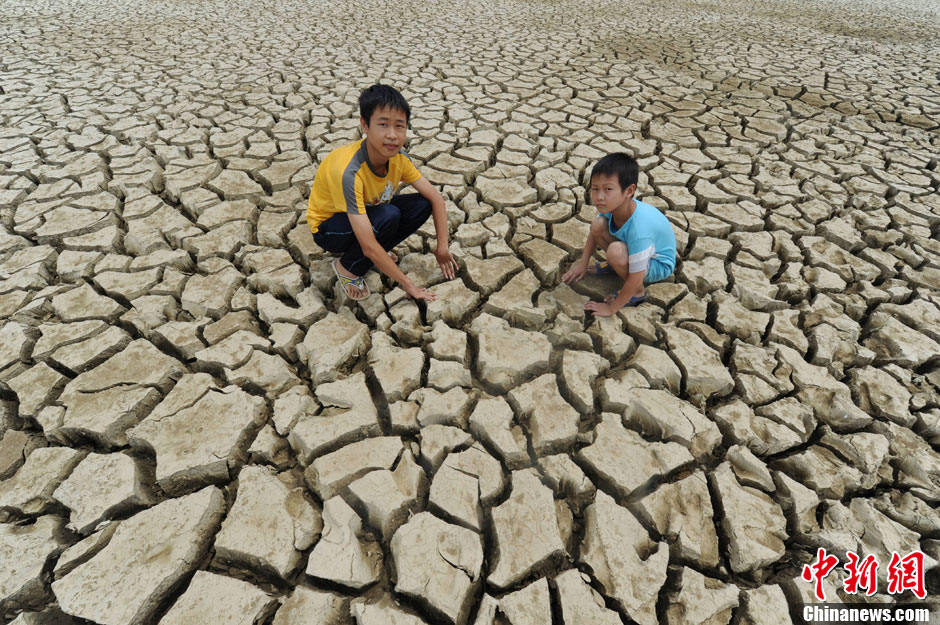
(641, 251)
(352, 197)
(409, 173)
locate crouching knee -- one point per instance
(617, 254)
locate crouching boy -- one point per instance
(353, 210)
(639, 240)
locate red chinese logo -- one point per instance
(819, 570)
(862, 574)
(907, 573)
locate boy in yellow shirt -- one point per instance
(352, 210)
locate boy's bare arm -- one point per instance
(374, 251)
(439, 214)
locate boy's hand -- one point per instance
(575, 273)
(600, 309)
(446, 260)
(417, 292)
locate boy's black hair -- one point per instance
(382, 96)
(620, 164)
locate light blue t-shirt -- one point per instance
(650, 240)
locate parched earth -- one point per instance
(198, 428)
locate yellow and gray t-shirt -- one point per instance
(346, 182)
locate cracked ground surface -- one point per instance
(197, 428)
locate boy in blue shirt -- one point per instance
(640, 243)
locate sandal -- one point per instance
(359, 283)
(633, 300)
(602, 268)
(393, 256)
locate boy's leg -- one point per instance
(392, 223)
(338, 237)
(618, 257)
(413, 209)
(600, 234)
(335, 235)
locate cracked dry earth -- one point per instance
(196, 428)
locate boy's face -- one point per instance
(606, 194)
(385, 131)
